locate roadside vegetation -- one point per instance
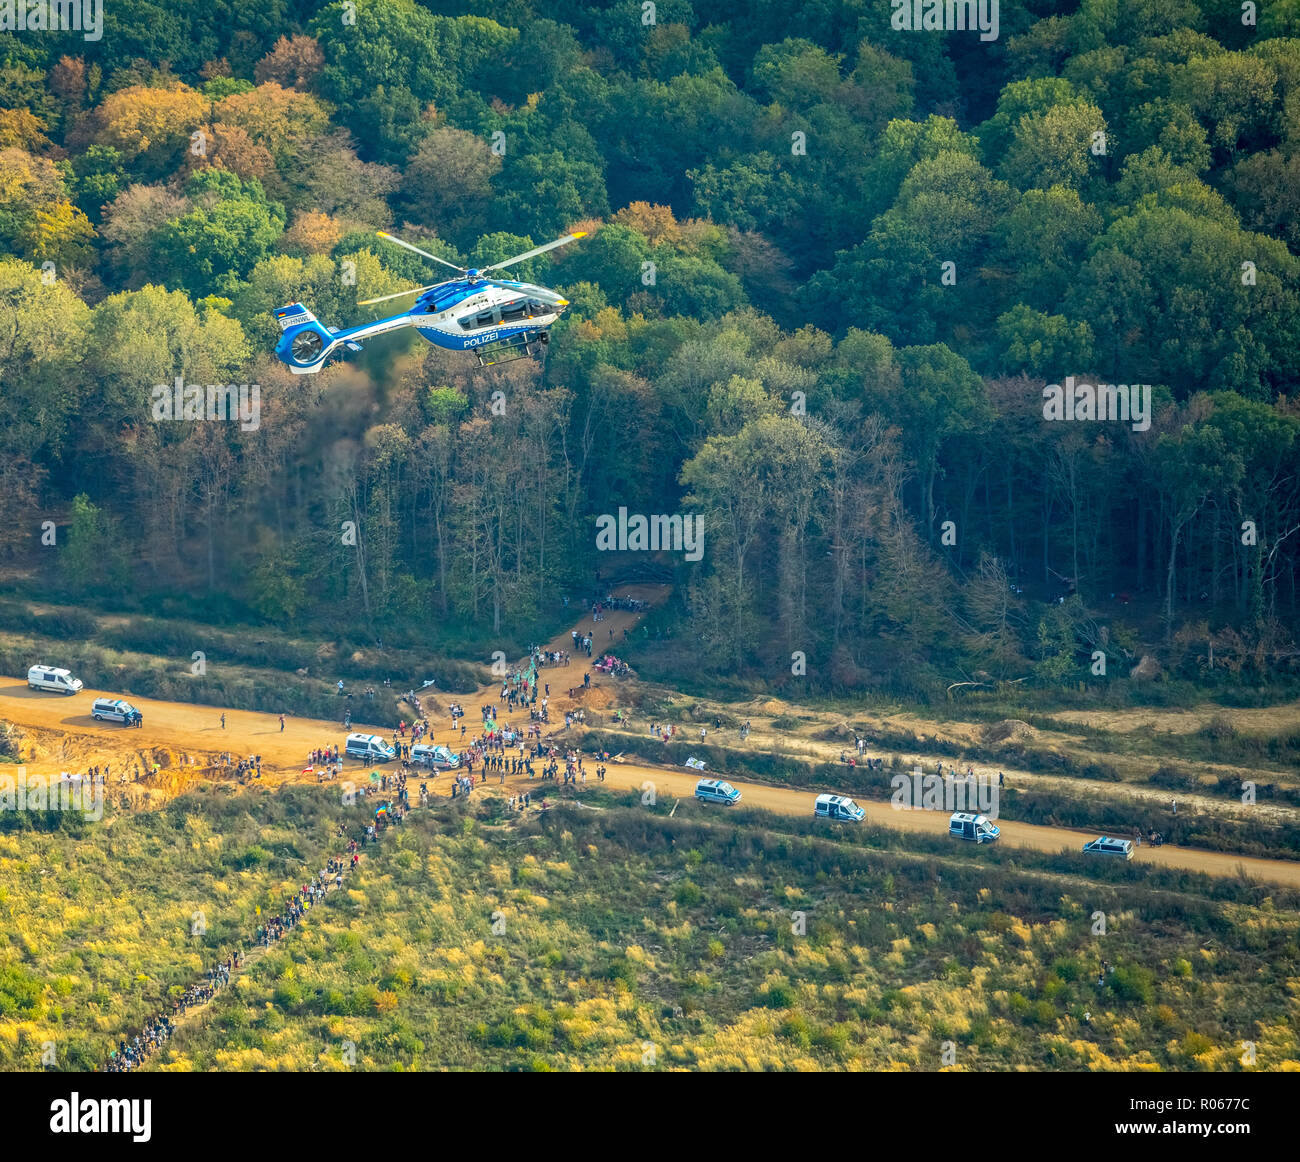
(619, 937)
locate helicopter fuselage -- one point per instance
(462, 314)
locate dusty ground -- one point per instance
(183, 740)
(1266, 720)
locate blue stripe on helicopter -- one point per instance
(470, 342)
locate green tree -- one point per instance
(1053, 148)
(1043, 241)
(93, 554)
(392, 57)
(230, 230)
(43, 336)
(1050, 346)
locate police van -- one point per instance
(716, 791)
(55, 680)
(115, 710)
(975, 828)
(1123, 848)
(838, 807)
(437, 758)
(369, 748)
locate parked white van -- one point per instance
(838, 807)
(369, 748)
(52, 679)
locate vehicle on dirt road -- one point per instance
(1104, 845)
(369, 748)
(838, 807)
(115, 710)
(436, 758)
(974, 828)
(52, 679)
(716, 791)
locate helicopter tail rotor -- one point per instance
(304, 343)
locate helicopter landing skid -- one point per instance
(508, 350)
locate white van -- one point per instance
(438, 758)
(115, 710)
(1105, 845)
(717, 791)
(975, 828)
(838, 807)
(54, 680)
(369, 748)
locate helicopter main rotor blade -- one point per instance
(537, 250)
(400, 294)
(422, 253)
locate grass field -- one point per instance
(619, 938)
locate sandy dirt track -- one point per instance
(190, 729)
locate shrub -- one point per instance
(1133, 984)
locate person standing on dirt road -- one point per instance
(281, 723)
(223, 720)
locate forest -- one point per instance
(831, 267)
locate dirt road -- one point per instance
(188, 729)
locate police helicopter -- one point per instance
(497, 319)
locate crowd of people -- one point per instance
(498, 749)
(130, 1054)
(159, 1028)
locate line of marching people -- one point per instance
(158, 1029)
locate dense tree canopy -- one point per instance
(831, 268)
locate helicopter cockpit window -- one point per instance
(514, 312)
(482, 319)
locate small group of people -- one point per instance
(245, 768)
(631, 604)
(877, 764)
